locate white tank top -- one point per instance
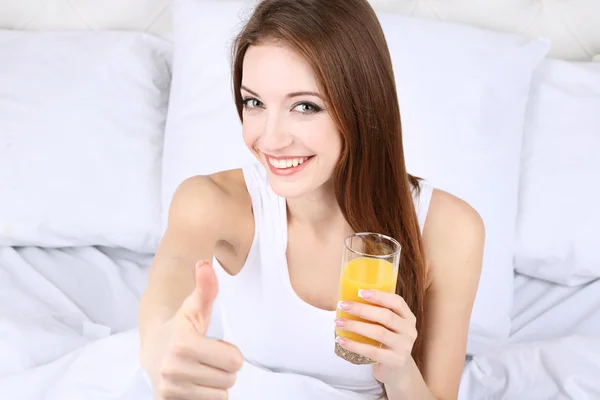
(264, 317)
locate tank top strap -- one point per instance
(269, 209)
(422, 199)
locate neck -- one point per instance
(318, 211)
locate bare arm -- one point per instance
(454, 247)
(453, 240)
(192, 233)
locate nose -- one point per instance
(276, 134)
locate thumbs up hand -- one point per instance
(186, 364)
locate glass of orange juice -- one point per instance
(369, 261)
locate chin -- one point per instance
(288, 189)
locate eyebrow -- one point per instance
(290, 95)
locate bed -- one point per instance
(72, 335)
(69, 293)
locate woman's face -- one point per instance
(286, 121)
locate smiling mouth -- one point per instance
(287, 166)
(286, 163)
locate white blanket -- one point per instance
(67, 332)
(554, 348)
(565, 368)
(107, 369)
(54, 303)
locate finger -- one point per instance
(182, 370)
(210, 352)
(388, 300)
(371, 331)
(170, 390)
(377, 354)
(197, 307)
(377, 314)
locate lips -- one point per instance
(286, 166)
(285, 163)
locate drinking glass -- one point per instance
(370, 261)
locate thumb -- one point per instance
(197, 307)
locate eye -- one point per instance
(307, 108)
(251, 102)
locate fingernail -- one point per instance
(201, 263)
(365, 294)
(340, 340)
(339, 322)
(344, 305)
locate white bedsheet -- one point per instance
(53, 303)
(68, 332)
(544, 310)
(553, 352)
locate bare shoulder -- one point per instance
(450, 215)
(453, 238)
(217, 200)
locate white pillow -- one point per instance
(203, 133)
(462, 91)
(558, 217)
(82, 117)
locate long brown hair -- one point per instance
(346, 47)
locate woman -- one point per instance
(315, 92)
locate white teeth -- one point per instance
(287, 162)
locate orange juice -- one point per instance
(364, 273)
